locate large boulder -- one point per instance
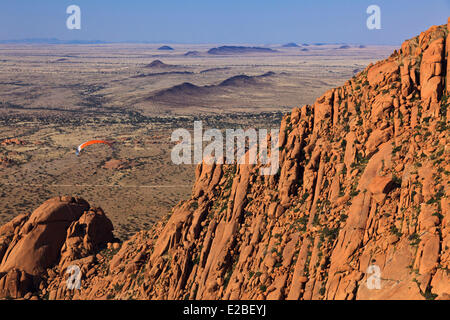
(86, 235)
(15, 284)
(36, 246)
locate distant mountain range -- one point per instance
(220, 50)
(59, 41)
(51, 41)
(239, 50)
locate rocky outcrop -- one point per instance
(86, 236)
(118, 164)
(59, 232)
(362, 192)
(35, 244)
(5, 162)
(12, 141)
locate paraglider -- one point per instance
(88, 143)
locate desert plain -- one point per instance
(55, 97)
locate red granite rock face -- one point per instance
(363, 185)
(59, 232)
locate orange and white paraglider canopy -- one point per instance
(88, 143)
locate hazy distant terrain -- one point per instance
(54, 97)
(106, 78)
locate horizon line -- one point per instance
(57, 41)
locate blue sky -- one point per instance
(213, 21)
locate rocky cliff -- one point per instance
(362, 189)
